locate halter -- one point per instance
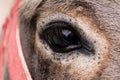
(11, 47)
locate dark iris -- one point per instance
(62, 37)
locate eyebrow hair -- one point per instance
(78, 3)
(73, 3)
(42, 3)
(33, 12)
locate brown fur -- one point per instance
(103, 15)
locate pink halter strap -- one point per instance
(11, 46)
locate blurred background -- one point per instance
(5, 6)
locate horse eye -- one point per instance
(62, 37)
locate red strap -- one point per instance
(15, 67)
(3, 46)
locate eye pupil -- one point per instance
(61, 35)
(70, 37)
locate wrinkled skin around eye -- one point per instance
(100, 17)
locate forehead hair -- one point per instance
(29, 7)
